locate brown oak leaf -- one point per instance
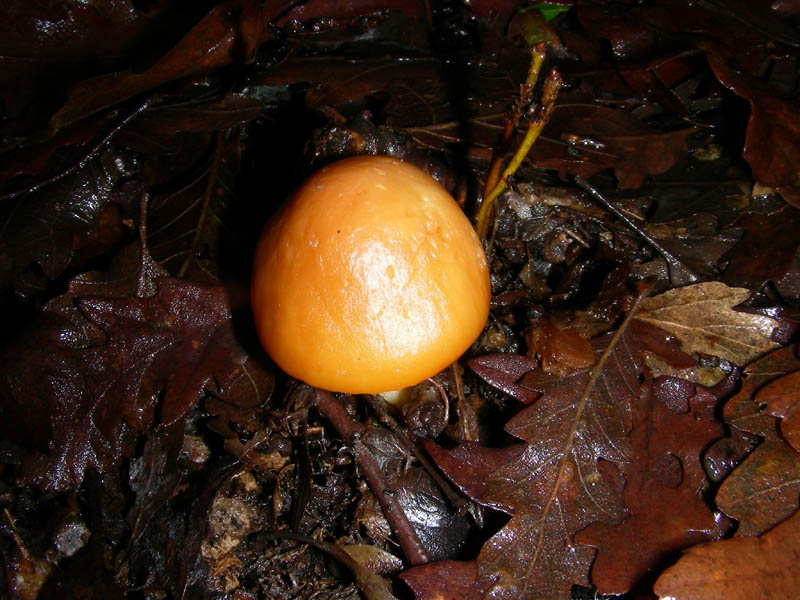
(702, 317)
(740, 568)
(764, 489)
(772, 144)
(767, 249)
(743, 411)
(782, 397)
(564, 477)
(229, 33)
(665, 511)
(80, 378)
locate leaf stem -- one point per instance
(212, 177)
(673, 262)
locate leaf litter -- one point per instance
(148, 443)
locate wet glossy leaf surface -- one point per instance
(738, 568)
(149, 447)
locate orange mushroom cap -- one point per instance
(369, 279)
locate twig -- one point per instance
(352, 431)
(671, 260)
(455, 500)
(85, 158)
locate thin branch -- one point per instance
(352, 431)
(379, 406)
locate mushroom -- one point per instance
(370, 279)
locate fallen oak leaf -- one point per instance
(772, 142)
(230, 32)
(739, 568)
(503, 371)
(782, 397)
(146, 352)
(665, 512)
(743, 411)
(702, 317)
(564, 477)
(154, 128)
(633, 149)
(462, 580)
(766, 251)
(45, 228)
(764, 489)
(45, 46)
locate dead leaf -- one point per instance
(561, 351)
(561, 480)
(227, 34)
(78, 393)
(702, 317)
(154, 129)
(315, 9)
(45, 227)
(446, 580)
(738, 569)
(767, 249)
(45, 46)
(782, 397)
(764, 489)
(192, 221)
(772, 145)
(623, 142)
(503, 371)
(743, 411)
(665, 510)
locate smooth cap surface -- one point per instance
(369, 279)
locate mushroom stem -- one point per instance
(352, 430)
(398, 397)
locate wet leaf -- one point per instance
(743, 411)
(189, 223)
(663, 480)
(782, 397)
(619, 140)
(45, 46)
(76, 395)
(764, 489)
(315, 9)
(226, 35)
(42, 232)
(702, 317)
(767, 249)
(462, 580)
(561, 480)
(741, 568)
(504, 371)
(772, 145)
